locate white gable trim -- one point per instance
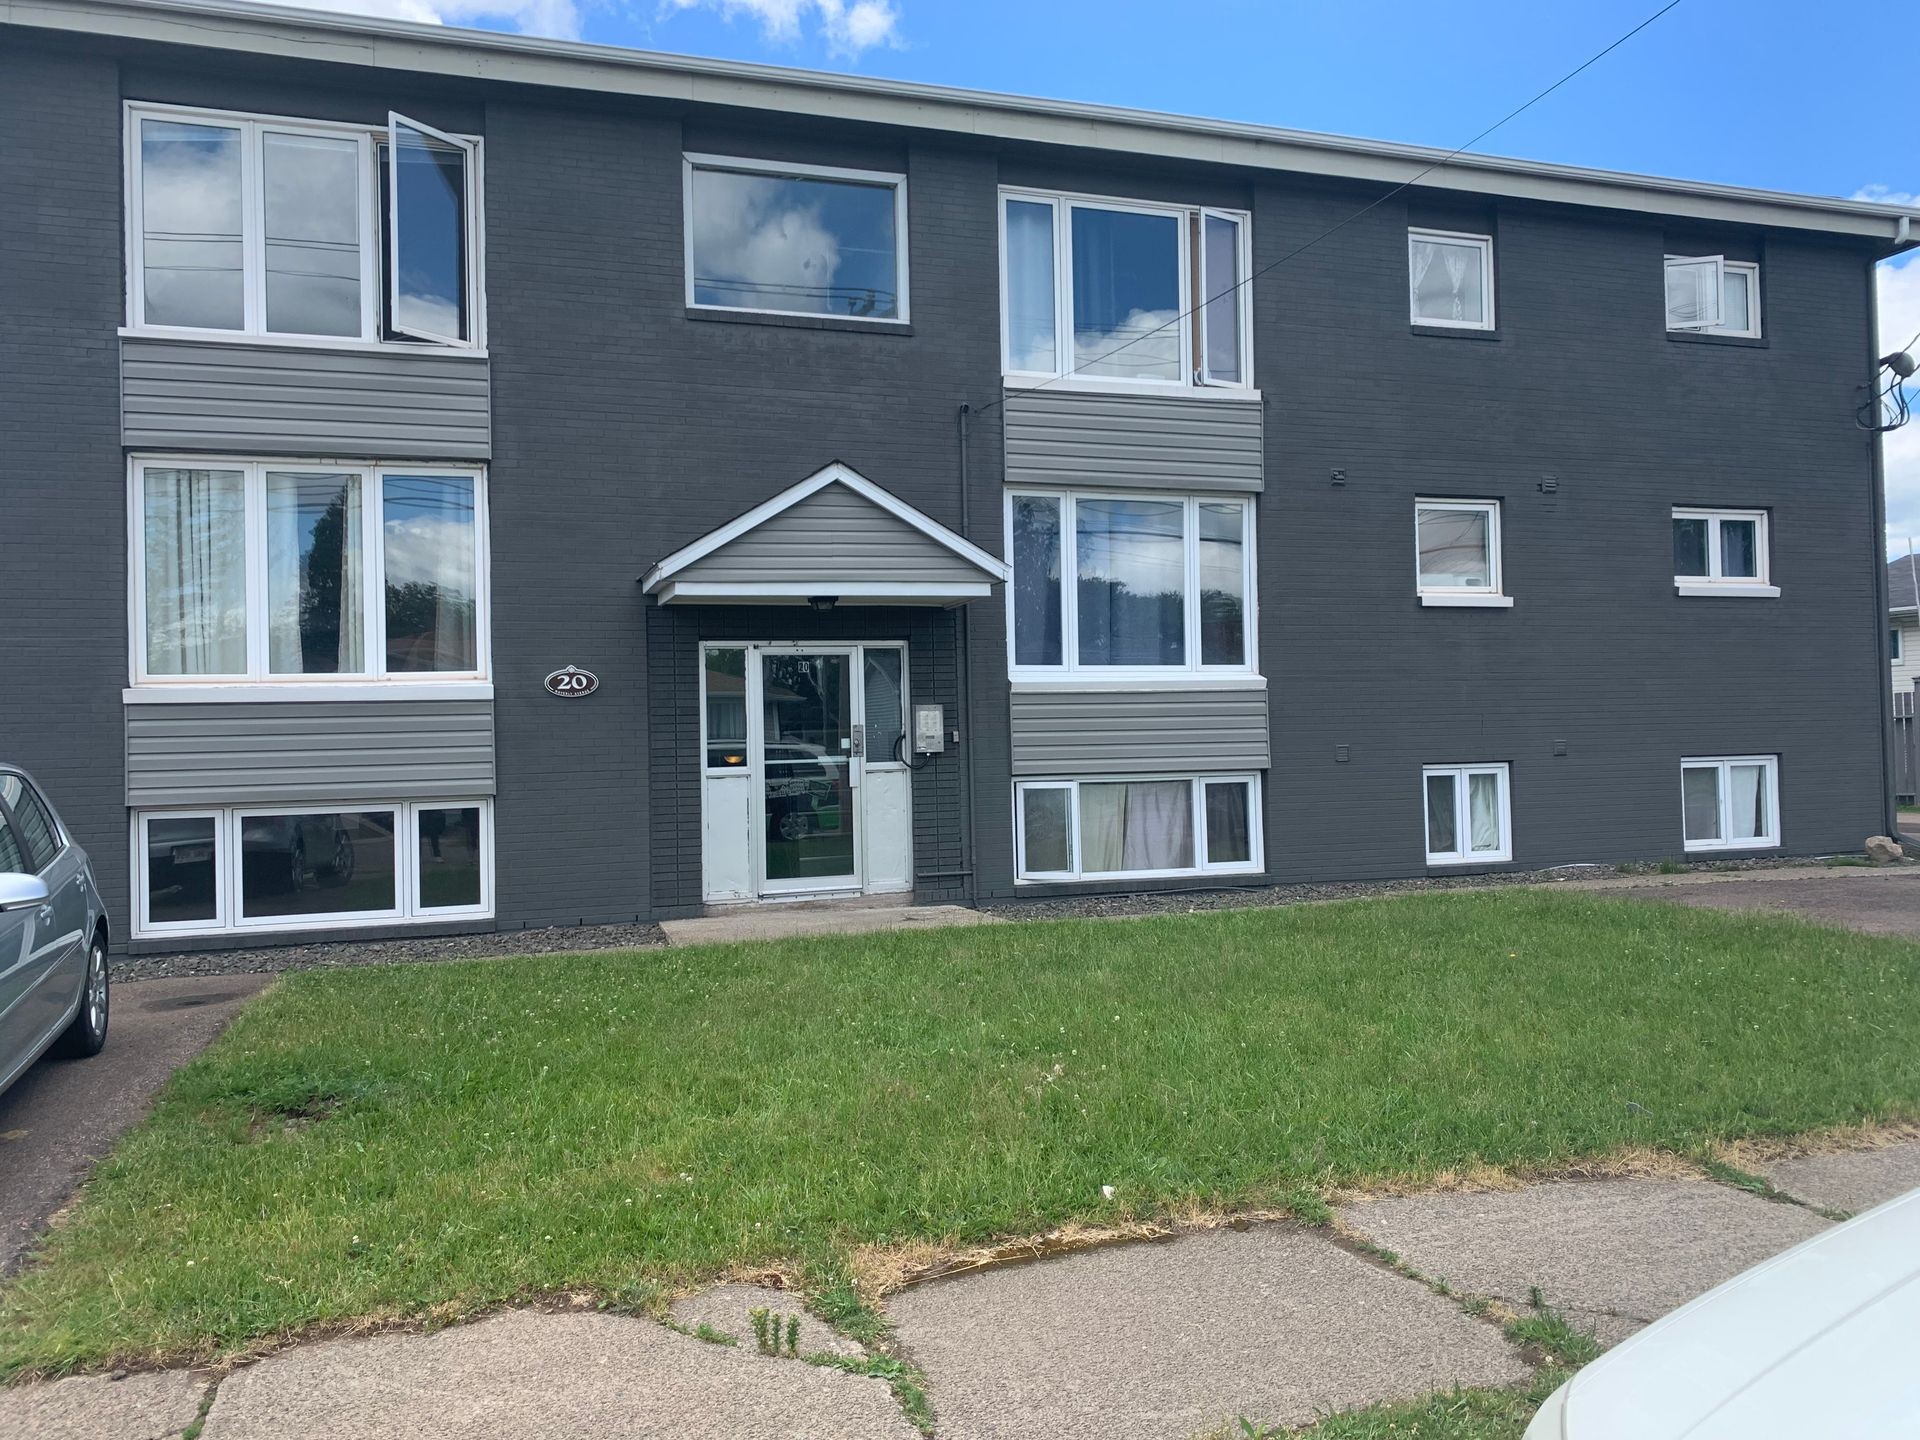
(834, 474)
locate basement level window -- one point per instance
(1141, 829)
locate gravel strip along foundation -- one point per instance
(562, 939)
(1179, 902)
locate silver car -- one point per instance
(53, 935)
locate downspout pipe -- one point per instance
(1878, 519)
(969, 848)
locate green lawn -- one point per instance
(435, 1139)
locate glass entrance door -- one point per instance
(809, 771)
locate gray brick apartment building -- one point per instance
(456, 481)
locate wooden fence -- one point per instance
(1906, 748)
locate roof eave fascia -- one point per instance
(512, 59)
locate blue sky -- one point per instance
(1772, 93)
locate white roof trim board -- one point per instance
(660, 580)
(244, 25)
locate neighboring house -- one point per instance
(1903, 623)
(872, 446)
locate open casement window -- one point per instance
(1123, 293)
(1146, 828)
(428, 182)
(1139, 583)
(255, 226)
(1457, 553)
(1730, 803)
(1468, 815)
(1696, 292)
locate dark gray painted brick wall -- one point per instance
(624, 428)
(63, 547)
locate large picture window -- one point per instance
(1114, 292)
(796, 239)
(261, 570)
(307, 867)
(1107, 584)
(308, 230)
(1138, 828)
(1730, 803)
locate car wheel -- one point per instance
(87, 1035)
(297, 867)
(339, 870)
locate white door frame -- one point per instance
(757, 757)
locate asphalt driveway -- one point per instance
(63, 1115)
(1874, 902)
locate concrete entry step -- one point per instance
(786, 921)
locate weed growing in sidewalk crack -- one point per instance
(1548, 1329)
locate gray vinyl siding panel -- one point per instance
(1155, 442)
(279, 400)
(834, 534)
(1072, 733)
(295, 751)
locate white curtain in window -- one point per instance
(1422, 258)
(1747, 802)
(1136, 825)
(1456, 262)
(196, 571)
(1483, 811)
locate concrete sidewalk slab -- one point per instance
(1873, 902)
(155, 1406)
(1612, 1255)
(729, 1309)
(1848, 1180)
(785, 922)
(529, 1376)
(1163, 1341)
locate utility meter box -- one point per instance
(929, 729)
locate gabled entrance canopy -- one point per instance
(835, 535)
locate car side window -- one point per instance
(12, 860)
(38, 835)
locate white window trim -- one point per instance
(1462, 597)
(1758, 586)
(228, 845)
(1197, 784)
(263, 683)
(1482, 243)
(1896, 643)
(1462, 816)
(1723, 763)
(1673, 262)
(1063, 203)
(1070, 671)
(1754, 330)
(373, 284)
(691, 161)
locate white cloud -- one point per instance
(848, 28)
(558, 19)
(1885, 195)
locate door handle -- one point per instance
(44, 914)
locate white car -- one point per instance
(1823, 1340)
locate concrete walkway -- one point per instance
(1142, 1341)
(785, 922)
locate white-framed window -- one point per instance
(307, 570)
(1730, 802)
(1894, 643)
(1712, 295)
(1124, 293)
(1469, 816)
(1139, 828)
(306, 867)
(1457, 553)
(314, 232)
(1450, 279)
(1129, 583)
(1721, 552)
(771, 237)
